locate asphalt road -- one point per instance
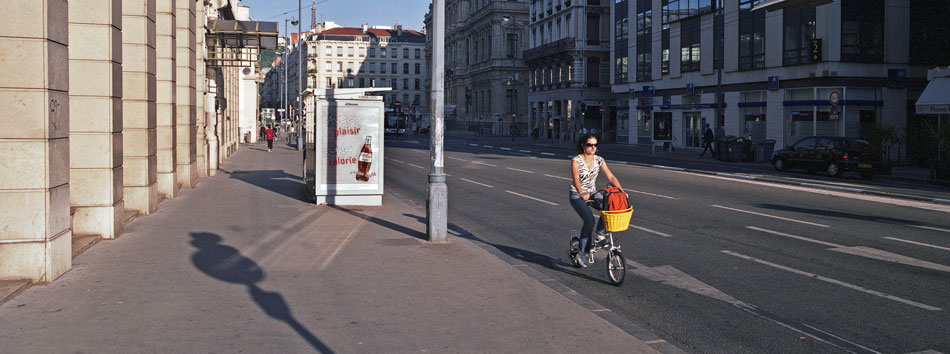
(716, 264)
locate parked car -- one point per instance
(833, 155)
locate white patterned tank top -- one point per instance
(588, 176)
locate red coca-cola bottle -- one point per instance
(365, 159)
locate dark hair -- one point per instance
(582, 141)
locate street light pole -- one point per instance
(436, 199)
(300, 77)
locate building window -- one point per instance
(382, 52)
(362, 82)
(393, 67)
(329, 82)
(405, 53)
(339, 66)
(329, 51)
(620, 70)
(644, 40)
(415, 100)
(418, 86)
(362, 67)
(372, 52)
(621, 42)
(405, 68)
(862, 31)
(339, 82)
(349, 51)
(339, 51)
(929, 30)
(394, 87)
(382, 68)
(418, 53)
(511, 39)
(665, 53)
(372, 67)
(349, 82)
(405, 84)
(372, 82)
(394, 52)
(418, 68)
(329, 67)
(362, 52)
(689, 45)
(798, 32)
(349, 68)
(751, 36)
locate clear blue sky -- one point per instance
(349, 13)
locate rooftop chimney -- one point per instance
(365, 27)
(398, 30)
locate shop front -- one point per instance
(831, 111)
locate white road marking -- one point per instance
(421, 151)
(865, 197)
(487, 146)
(558, 177)
(504, 148)
(671, 276)
(519, 170)
(823, 243)
(918, 243)
(394, 160)
(532, 198)
(416, 166)
(456, 158)
(866, 252)
(524, 150)
(886, 256)
(834, 281)
(770, 216)
(478, 183)
(641, 228)
(482, 163)
(547, 153)
(618, 162)
(910, 225)
(472, 144)
(655, 195)
(668, 168)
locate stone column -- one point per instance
(34, 140)
(165, 105)
(186, 81)
(138, 106)
(201, 92)
(95, 117)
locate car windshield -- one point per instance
(858, 145)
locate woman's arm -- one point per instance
(610, 176)
(577, 180)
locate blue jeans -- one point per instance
(581, 207)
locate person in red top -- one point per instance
(269, 135)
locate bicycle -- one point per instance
(614, 221)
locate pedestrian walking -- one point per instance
(269, 136)
(261, 135)
(707, 142)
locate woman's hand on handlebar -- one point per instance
(585, 196)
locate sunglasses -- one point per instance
(590, 145)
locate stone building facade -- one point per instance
(568, 63)
(486, 81)
(107, 111)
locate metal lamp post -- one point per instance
(436, 198)
(300, 78)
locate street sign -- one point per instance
(397, 104)
(602, 109)
(834, 97)
(815, 50)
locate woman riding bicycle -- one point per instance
(584, 169)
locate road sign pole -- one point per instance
(437, 197)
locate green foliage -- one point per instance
(931, 144)
(266, 59)
(883, 137)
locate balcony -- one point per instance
(559, 46)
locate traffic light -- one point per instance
(583, 109)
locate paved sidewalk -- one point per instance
(242, 264)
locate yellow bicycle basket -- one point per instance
(616, 220)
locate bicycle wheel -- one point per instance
(575, 248)
(616, 267)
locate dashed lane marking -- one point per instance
(520, 170)
(488, 146)
(482, 163)
(834, 281)
(473, 145)
(646, 193)
(917, 226)
(504, 148)
(416, 166)
(918, 243)
(558, 177)
(394, 160)
(458, 159)
(524, 150)
(770, 216)
(532, 198)
(478, 183)
(547, 154)
(823, 243)
(617, 162)
(422, 151)
(641, 228)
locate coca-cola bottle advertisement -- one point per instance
(365, 160)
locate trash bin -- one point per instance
(748, 150)
(735, 149)
(247, 137)
(763, 150)
(722, 147)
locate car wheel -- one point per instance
(833, 169)
(779, 164)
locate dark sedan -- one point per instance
(830, 154)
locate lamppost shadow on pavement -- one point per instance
(276, 181)
(384, 223)
(225, 263)
(517, 253)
